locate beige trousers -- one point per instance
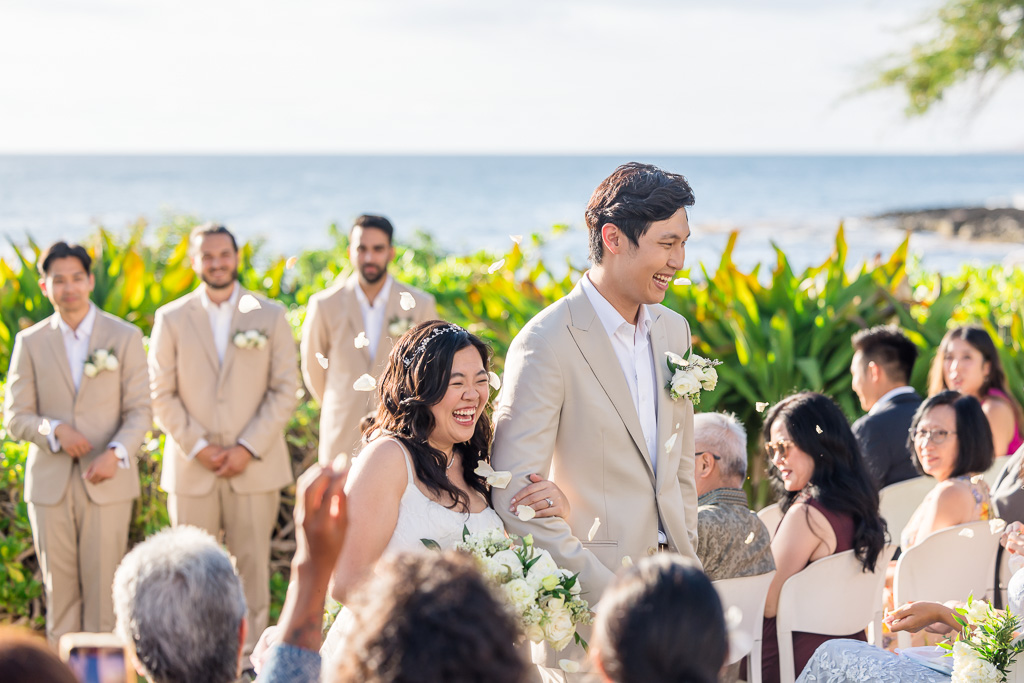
(247, 520)
(79, 545)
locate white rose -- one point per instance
(112, 363)
(101, 356)
(710, 379)
(541, 569)
(261, 342)
(510, 561)
(90, 370)
(252, 335)
(976, 612)
(535, 633)
(684, 384)
(239, 340)
(520, 594)
(559, 628)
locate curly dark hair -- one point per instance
(840, 481)
(430, 618)
(407, 392)
(975, 452)
(651, 609)
(632, 197)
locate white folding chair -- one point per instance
(992, 472)
(747, 593)
(897, 502)
(949, 564)
(770, 516)
(833, 596)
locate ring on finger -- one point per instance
(551, 503)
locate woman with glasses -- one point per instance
(829, 503)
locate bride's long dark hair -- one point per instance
(416, 378)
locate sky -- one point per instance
(476, 77)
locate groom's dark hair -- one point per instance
(632, 198)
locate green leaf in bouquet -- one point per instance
(431, 544)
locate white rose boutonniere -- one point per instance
(691, 375)
(249, 339)
(398, 326)
(99, 361)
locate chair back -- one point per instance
(897, 502)
(746, 593)
(770, 516)
(832, 596)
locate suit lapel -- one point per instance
(99, 339)
(240, 322)
(666, 428)
(392, 310)
(353, 313)
(200, 322)
(593, 342)
(56, 342)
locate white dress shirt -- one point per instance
(76, 346)
(373, 314)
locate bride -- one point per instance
(415, 478)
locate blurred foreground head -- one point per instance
(429, 618)
(26, 658)
(179, 603)
(661, 621)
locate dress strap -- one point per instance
(408, 460)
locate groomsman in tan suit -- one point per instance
(224, 381)
(584, 401)
(77, 390)
(349, 331)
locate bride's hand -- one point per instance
(546, 499)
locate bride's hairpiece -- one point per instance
(411, 356)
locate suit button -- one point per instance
(652, 550)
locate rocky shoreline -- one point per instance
(966, 223)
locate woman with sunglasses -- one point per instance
(829, 503)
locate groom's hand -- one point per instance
(546, 499)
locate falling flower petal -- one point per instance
(750, 538)
(568, 666)
(406, 301)
(681, 281)
(996, 525)
(671, 442)
(365, 383)
(593, 529)
(496, 266)
(290, 263)
(516, 238)
(966, 533)
(498, 479)
(759, 406)
(44, 427)
(627, 561)
(321, 359)
(525, 513)
(248, 303)
(733, 617)
(300, 394)
(361, 341)
(817, 428)
(494, 380)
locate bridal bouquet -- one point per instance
(690, 375)
(987, 646)
(545, 598)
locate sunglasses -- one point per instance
(778, 449)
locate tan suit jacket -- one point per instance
(566, 412)
(251, 396)
(333, 320)
(112, 406)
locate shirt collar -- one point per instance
(84, 327)
(888, 396)
(725, 495)
(382, 295)
(204, 297)
(610, 318)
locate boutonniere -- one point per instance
(398, 326)
(690, 375)
(100, 360)
(249, 339)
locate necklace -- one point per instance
(450, 462)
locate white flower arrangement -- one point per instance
(399, 326)
(544, 598)
(99, 361)
(988, 644)
(249, 339)
(690, 375)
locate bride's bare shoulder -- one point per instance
(381, 461)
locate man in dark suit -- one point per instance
(883, 360)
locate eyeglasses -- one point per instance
(936, 436)
(700, 453)
(778, 449)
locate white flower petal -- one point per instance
(760, 406)
(671, 442)
(733, 617)
(750, 538)
(500, 479)
(361, 341)
(496, 266)
(627, 561)
(321, 359)
(525, 513)
(516, 238)
(593, 529)
(290, 263)
(817, 428)
(680, 281)
(675, 358)
(494, 380)
(248, 303)
(569, 666)
(996, 525)
(365, 383)
(45, 428)
(966, 533)
(406, 301)
(483, 469)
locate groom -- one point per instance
(584, 400)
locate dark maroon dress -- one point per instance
(804, 644)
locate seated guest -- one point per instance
(829, 505)
(660, 621)
(883, 359)
(179, 603)
(25, 658)
(967, 361)
(731, 540)
(1008, 491)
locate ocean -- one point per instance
(473, 202)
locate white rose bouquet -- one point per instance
(249, 339)
(100, 360)
(690, 375)
(544, 598)
(988, 644)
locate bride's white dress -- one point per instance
(419, 517)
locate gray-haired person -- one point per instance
(731, 540)
(180, 605)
